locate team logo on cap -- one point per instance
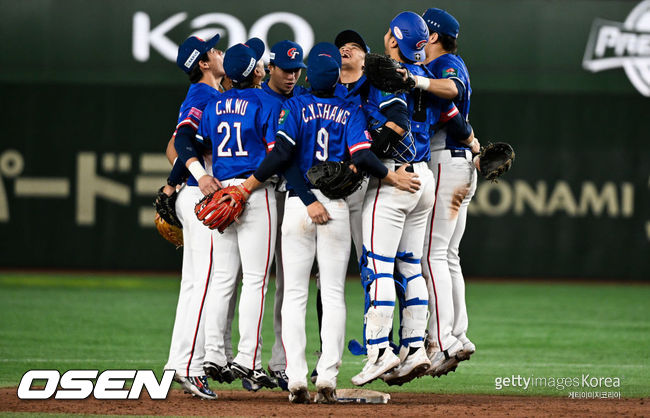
(397, 33)
(421, 44)
(613, 45)
(292, 52)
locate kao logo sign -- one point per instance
(80, 384)
(613, 45)
(148, 35)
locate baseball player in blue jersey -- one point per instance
(204, 65)
(238, 126)
(394, 225)
(313, 128)
(451, 163)
(285, 67)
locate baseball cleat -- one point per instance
(413, 366)
(444, 361)
(198, 386)
(468, 349)
(375, 367)
(325, 394)
(221, 374)
(249, 385)
(281, 377)
(299, 395)
(258, 376)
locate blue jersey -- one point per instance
(198, 96)
(297, 91)
(322, 129)
(425, 112)
(239, 123)
(373, 101)
(452, 67)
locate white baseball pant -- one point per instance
(187, 350)
(249, 244)
(455, 187)
(394, 223)
(330, 245)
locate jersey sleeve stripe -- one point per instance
(287, 137)
(359, 146)
(445, 116)
(270, 145)
(188, 121)
(391, 101)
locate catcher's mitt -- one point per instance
(171, 233)
(335, 179)
(167, 223)
(381, 71)
(221, 208)
(495, 159)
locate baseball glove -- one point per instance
(167, 223)
(335, 179)
(171, 233)
(220, 209)
(382, 73)
(495, 159)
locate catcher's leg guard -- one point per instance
(415, 306)
(379, 304)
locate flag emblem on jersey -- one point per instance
(196, 113)
(283, 116)
(450, 72)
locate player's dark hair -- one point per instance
(448, 43)
(245, 83)
(403, 58)
(324, 93)
(196, 74)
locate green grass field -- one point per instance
(68, 321)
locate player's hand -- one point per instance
(477, 162)
(318, 213)
(209, 184)
(169, 190)
(354, 168)
(404, 180)
(475, 146)
(408, 77)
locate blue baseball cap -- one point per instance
(349, 35)
(442, 22)
(287, 55)
(412, 35)
(240, 60)
(191, 49)
(324, 66)
(326, 48)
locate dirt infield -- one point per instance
(240, 403)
